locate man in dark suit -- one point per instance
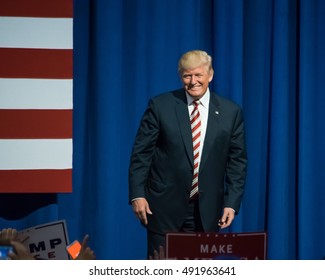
(188, 164)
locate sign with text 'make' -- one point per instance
(230, 246)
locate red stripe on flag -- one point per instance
(35, 124)
(36, 63)
(35, 181)
(37, 8)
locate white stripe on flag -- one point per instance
(35, 154)
(35, 94)
(40, 33)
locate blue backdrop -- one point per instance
(269, 56)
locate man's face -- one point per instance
(196, 81)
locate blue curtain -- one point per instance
(269, 56)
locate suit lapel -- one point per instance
(212, 127)
(184, 122)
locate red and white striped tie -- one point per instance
(196, 135)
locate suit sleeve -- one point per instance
(143, 150)
(236, 165)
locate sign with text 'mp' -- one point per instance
(206, 246)
(47, 241)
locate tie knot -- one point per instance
(196, 103)
(196, 107)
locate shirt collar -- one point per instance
(204, 100)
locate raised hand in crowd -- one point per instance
(11, 237)
(11, 234)
(86, 253)
(20, 252)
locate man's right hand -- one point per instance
(141, 208)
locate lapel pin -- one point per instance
(217, 112)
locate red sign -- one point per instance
(206, 246)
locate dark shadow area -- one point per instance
(16, 206)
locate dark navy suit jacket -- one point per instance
(161, 166)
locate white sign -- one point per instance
(48, 241)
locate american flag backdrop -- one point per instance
(36, 75)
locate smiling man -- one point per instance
(188, 165)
